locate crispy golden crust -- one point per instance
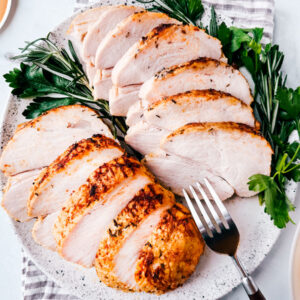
(137, 16)
(197, 64)
(165, 32)
(34, 122)
(207, 95)
(223, 126)
(171, 254)
(76, 151)
(142, 205)
(100, 183)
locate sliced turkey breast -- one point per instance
(121, 99)
(81, 23)
(132, 252)
(42, 231)
(85, 218)
(173, 112)
(171, 253)
(104, 24)
(233, 151)
(125, 34)
(152, 199)
(49, 135)
(164, 46)
(198, 106)
(68, 172)
(16, 194)
(164, 166)
(102, 85)
(145, 138)
(199, 74)
(96, 33)
(120, 39)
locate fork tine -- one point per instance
(203, 211)
(210, 207)
(193, 211)
(218, 201)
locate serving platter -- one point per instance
(215, 275)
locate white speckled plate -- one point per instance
(215, 275)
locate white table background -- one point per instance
(30, 19)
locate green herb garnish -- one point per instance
(53, 77)
(186, 11)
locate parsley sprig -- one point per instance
(276, 107)
(52, 76)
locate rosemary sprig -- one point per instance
(186, 11)
(51, 77)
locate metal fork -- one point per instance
(220, 233)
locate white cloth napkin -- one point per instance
(244, 13)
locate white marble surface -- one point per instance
(30, 19)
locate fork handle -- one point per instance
(248, 283)
(251, 289)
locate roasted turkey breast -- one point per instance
(81, 23)
(64, 176)
(96, 33)
(16, 194)
(102, 26)
(42, 231)
(187, 171)
(166, 115)
(68, 172)
(78, 30)
(90, 210)
(51, 133)
(120, 39)
(142, 248)
(164, 46)
(125, 34)
(231, 151)
(200, 74)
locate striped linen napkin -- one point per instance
(244, 14)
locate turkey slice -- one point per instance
(145, 138)
(173, 112)
(164, 46)
(38, 142)
(103, 25)
(85, 218)
(232, 151)
(148, 202)
(120, 99)
(200, 74)
(42, 231)
(187, 171)
(81, 23)
(121, 38)
(68, 172)
(125, 34)
(16, 194)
